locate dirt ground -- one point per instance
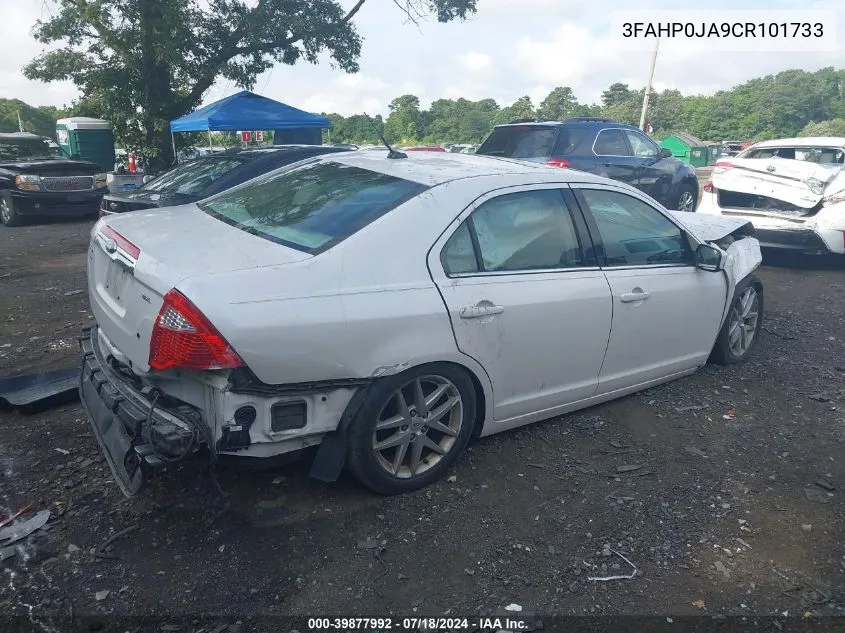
(723, 489)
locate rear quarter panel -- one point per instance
(367, 307)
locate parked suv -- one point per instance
(600, 146)
(37, 179)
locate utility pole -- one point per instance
(20, 124)
(648, 84)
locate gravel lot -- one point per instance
(710, 486)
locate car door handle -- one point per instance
(475, 312)
(631, 297)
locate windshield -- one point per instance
(195, 177)
(311, 207)
(28, 149)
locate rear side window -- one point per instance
(523, 142)
(611, 143)
(311, 207)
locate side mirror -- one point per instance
(665, 152)
(708, 258)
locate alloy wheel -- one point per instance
(743, 321)
(418, 426)
(686, 202)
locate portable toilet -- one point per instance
(714, 150)
(687, 148)
(88, 139)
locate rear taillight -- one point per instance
(558, 162)
(183, 338)
(723, 164)
(102, 212)
(708, 187)
(128, 247)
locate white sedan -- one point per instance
(390, 310)
(792, 190)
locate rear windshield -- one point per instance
(311, 207)
(820, 155)
(531, 142)
(195, 177)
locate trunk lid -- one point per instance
(129, 273)
(799, 184)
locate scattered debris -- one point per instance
(368, 544)
(826, 485)
(513, 607)
(279, 479)
(627, 468)
(469, 572)
(743, 543)
(819, 397)
(720, 567)
(100, 552)
(695, 407)
(618, 577)
(72, 549)
(814, 494)
(452, 479)
(536, 465)
(807, 527)
(692, 450)
(70, 293)
(102, 595)
(699, 604)
(20, 512)
(730, 415)
(62, 451)
(22, 529)
(618, 444)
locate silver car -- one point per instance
(391, 310)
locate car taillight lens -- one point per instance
(558, 162)
(128, 247)
(708, 187)
(723, 164)
(183, 338)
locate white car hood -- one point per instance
(801, 183)
(708, 228)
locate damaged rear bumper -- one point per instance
(134, 432)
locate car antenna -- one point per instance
(392, 152)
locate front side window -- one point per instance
(611, 143)
(642, 147)
(635, 233)
(528, 230)
(28, 149)
(311, 207)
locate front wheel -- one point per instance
(8, 214)
(685, 199)
(411, 428)
(741, 330)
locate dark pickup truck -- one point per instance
(37, 180)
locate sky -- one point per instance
(509, 49)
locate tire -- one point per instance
(686, 199)
(723, 352)
(376, 469)
(8, 214)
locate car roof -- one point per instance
(436, 168)
(20, 136)
(573, 121)
(274, 149)
(807, 141)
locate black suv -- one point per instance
(203, 177)
(37, 179)
(603, 147)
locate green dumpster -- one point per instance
(87, 139)
(714, 150)
(687, 148)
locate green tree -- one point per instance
(147, 62)
(40, 120)
(616, 94)
(833, 127)
(404, 124)
(558, 105)
(522, 108)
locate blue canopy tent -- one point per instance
(246, 110)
